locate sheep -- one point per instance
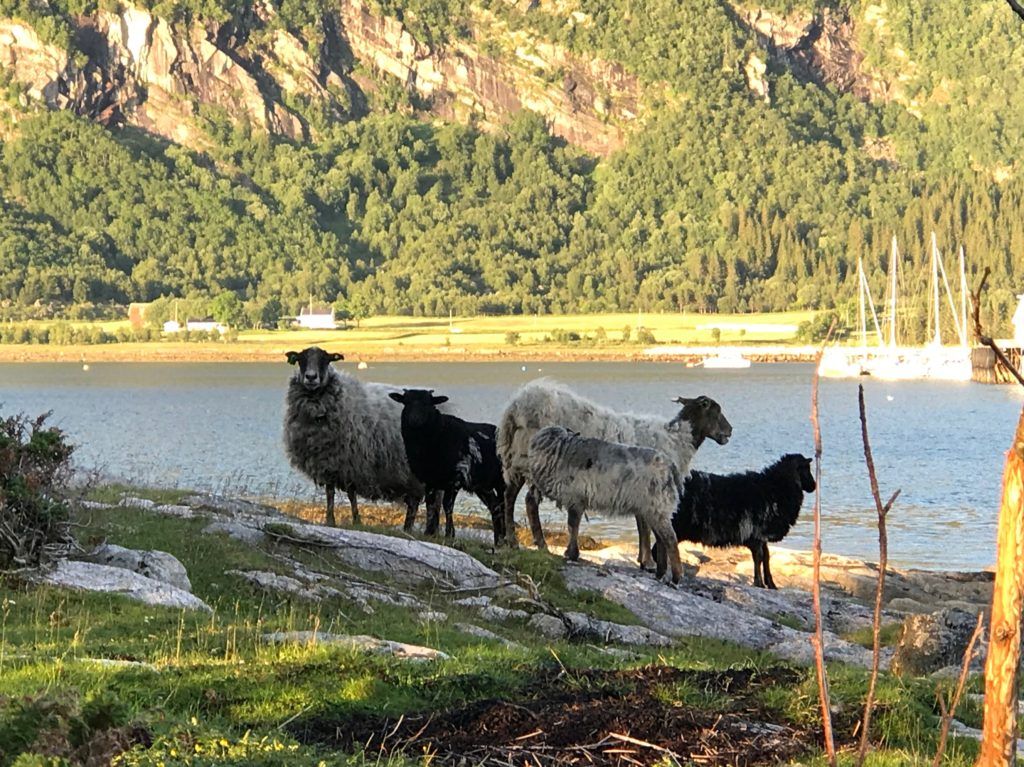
(621, 480)
(449, 454)
(342, 433)
(745, 509)
(543, 403)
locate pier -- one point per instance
(985, 368)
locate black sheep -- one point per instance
(448, 454)
(745, 509)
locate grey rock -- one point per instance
(358, 642)
(931, 642)
(679, 612)
(88, 576)
(158, 565)
(482, 633)
(237, 530)
(502, 614)
(477, 601)
(230, 506)
(433, 616)
(548, 626)
(404, 560)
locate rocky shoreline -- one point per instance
(715, 599)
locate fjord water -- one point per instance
(217, 426)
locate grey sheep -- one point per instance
(620, 480)
(346, 434)
(543, 403)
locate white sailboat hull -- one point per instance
(901, 363)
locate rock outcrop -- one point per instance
(88, 576)
(157, 565)
(588, 102)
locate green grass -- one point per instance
(888, 635)
(212, 691)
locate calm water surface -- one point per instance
(218, 427)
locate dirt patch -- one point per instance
(589, 718)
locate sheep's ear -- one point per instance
(335, 357)
(397, 397)
(682, 400)
(292, 357)
(438, 400)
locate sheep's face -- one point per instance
(314, 366)
(420, 405)
(802, 467)
(705, 418)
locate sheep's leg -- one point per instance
(533, 514)
(511, 493)
(434, 502)
(644, 535)
(667, 540)
(412, 505)
(491, 498)
(756, 554)
(449, 506)
(768, 580)
(572, 551)
(330, 506)
(355, 506)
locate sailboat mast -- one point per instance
(861, 318)
(963, 298)
(935, 292)
(893, 266)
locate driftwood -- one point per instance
(883, 560)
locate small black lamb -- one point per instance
(448, 454)
(745, 509)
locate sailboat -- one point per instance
(890, 361)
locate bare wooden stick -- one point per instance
(883, 560)
(817, 641)
(949, 711)
(999, 736)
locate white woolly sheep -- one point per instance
(343, 433)
(543, 403)
(582, 473)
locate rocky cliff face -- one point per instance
(588, 102)
(141, 70)
(820, 47)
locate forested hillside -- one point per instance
(768, 148)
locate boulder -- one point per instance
(89, 576)
(358, 642)
(934, 641)
(158, 565)
(680, 612)
(404, 560)
(573, 625)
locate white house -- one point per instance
(208, 325)
(1018, 322)
(316, 318)
(172, 326)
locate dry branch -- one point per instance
(883, 561)
(948, 711)
(817, 640)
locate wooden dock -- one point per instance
(985, 368)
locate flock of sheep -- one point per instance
(386, 443)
